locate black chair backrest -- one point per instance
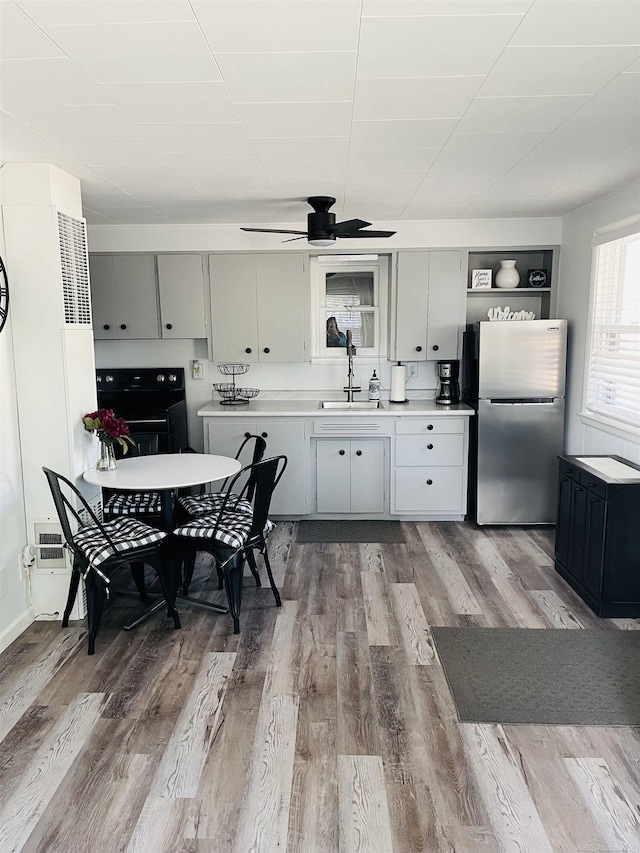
(66, 510)
(266, 476)
(259, 447)
(146, 444)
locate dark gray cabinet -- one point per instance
(597, 547)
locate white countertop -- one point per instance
(308, 408)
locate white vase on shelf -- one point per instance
(507, 276)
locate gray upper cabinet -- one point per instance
(123, 296)
(257, 307)
(181, 291)
(428, 306)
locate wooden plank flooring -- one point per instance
(326, 726)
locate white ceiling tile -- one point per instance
(432, 46)
(173, 103)
(595, 22)
(20, 142)
(20, 38)
(142, 215)
(263, 77)
(149, 181)
(498, 209)
(46, 82)
(463, 175)
(556, 70)
(634, 68)
(94, 218)
(302, 190)
(81, 122)
(412, 8)
(123, 152)
(74, 12)
(199, 138)
(420, 97)
(326, 149)
(498, 114)
(377, 135)
(216, 164)
(301, 172)
(393, 160)
(362, 180)
(115, 53)
(225, 184)
(254, 26)
(492, 145)
(297, 120)
(423, 204)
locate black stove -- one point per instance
(149, 399)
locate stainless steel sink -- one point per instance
(357, 404)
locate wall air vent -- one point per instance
(75, 270)
(49, 545)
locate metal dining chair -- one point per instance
(207, 503)
(230, 534)
(98, 549)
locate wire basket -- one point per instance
(248, 393)
(231, 369)
(227, 390)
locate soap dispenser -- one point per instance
(374, 387)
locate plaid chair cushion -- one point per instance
(198, 505)
(232, 531)
(134, 503)
(126, 533)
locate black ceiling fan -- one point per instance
(322, 228)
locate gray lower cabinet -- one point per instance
(350, 475)
(283, 436)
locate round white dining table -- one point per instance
(163, 473)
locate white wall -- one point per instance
(573, 303)
(15, 615)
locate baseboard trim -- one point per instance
(13, 631)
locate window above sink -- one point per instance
(349, 293)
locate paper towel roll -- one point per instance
(398, 382)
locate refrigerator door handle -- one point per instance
(541, 401)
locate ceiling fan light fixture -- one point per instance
(321, 242)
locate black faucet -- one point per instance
(350, 389)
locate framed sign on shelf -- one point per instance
(480, 279)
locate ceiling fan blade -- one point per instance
(291, 239)
(364, 233)
(349, 225)
(273, 231)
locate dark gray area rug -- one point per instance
(542, 677)
(349, 531)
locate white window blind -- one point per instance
(613, 384)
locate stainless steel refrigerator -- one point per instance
(515, 378)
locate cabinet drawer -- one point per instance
(568, 470)
(429, 490)
(351, 426)
(430, 450)
(593, 483)
(424, 426)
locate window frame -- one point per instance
(378, 265)
(594, 416)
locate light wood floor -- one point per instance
(325, 726)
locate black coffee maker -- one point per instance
(448, 382)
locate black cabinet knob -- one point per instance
(435, 347)
(358, 453)
(578, 489)
(429, 426)
(123, 325)
(341, 452)
(591, 485)
(429, 482)
(169, 326)
(267, 350)
(595, 500)
(265, 434)
(106, 327)
(248, 349)
(429, 446)
(418, 349)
